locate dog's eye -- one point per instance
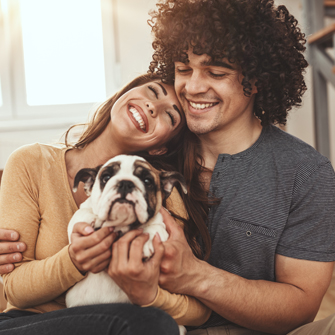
(148, 182)
(105, 178)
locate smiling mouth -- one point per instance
(201, 106)
(137, 116)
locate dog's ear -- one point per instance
(169, 179)
(87, 176)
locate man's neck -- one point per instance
(229, 141)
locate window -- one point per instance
(58, 56)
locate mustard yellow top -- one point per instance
(36, 200)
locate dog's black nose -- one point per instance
(125, 187)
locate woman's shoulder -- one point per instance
(36, 152)
(33, 157)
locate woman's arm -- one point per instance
(32, 282)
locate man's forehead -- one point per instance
(207, 60)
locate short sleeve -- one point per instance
(310, 230)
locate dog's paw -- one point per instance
(182, 330)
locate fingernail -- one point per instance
(20, 246)
(14, 236)
(111, 229)
(89, 229)
(15, 257)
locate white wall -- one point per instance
(135, 54)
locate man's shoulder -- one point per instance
(291, 149)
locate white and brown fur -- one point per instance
(125, 193)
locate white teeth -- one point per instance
(200, 106)
(137, 116)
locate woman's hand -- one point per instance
(10, 250)
(138, 279)
(91, 250)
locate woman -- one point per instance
(37, 201)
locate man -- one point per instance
(237, 68)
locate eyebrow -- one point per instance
(217, 63)
(163, 88)
(177, 109)
(174, 106)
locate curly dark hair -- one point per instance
(264, 40)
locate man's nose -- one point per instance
(196, 83)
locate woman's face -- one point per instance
(146, 117)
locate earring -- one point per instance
(263, 112)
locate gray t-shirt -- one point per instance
(277, 197)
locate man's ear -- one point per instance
(169, 179)
(158, 152)
(87, 176)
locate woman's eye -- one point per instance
(153, 90)
(173, 120)
(106, 178)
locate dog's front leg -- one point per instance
(155, 226)
(182, 330)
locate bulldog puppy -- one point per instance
(125, 193)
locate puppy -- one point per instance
(125, 193)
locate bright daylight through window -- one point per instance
(63, 51)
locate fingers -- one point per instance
(88, 238)
(7, 260)
(171, 226)
(82, 228)
(136, 249)
(11, 247)
(159, 249)
(6, 268)
(8, 235)
(122, 246)
(91, 252)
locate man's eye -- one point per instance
(153, 90)
(217, 75)
(182, 70)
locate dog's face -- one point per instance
(126, 190)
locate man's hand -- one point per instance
(179, 265)
(138, 279)
(10, 250)
(90, 250)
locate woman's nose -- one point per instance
(152, 108)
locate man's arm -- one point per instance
(274, 307)
(10, 250)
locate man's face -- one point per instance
(211, 95)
